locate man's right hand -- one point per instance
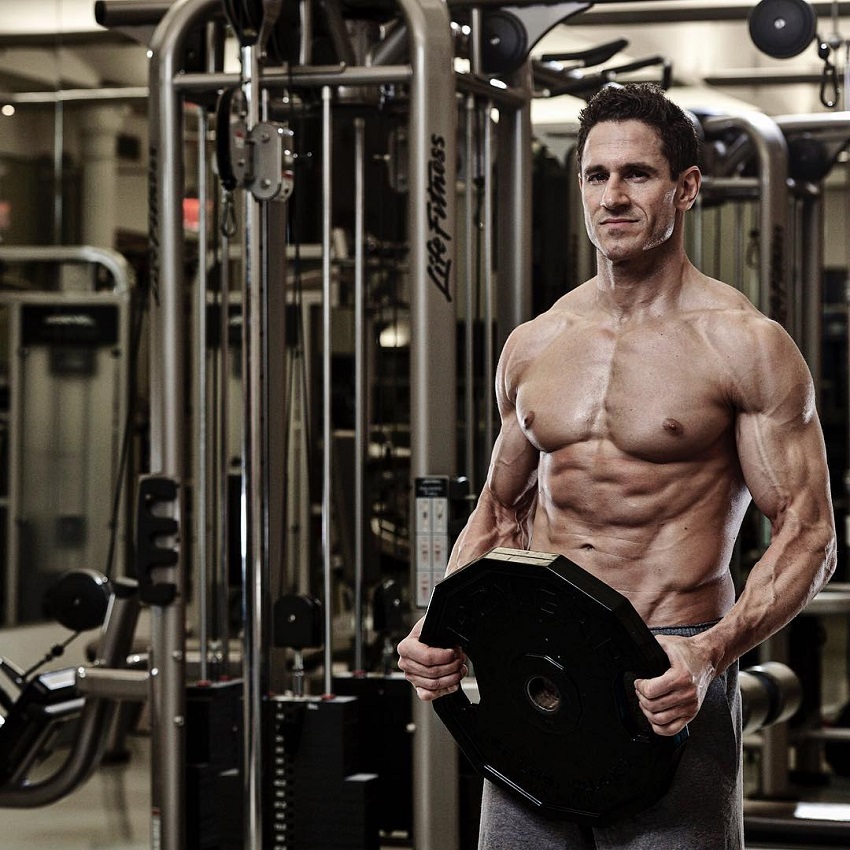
(433, 671)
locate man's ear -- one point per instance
(690, 181)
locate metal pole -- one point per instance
(698, 231)
(812, 249)
(167, 662)
(224, 454)
(305, 45)
(487, 266)
(254, 501)
(113, 262)
(772, 153)
(276, 403)
(433, 432)
(201, 476)
(740, 250)
(432, 159)
(327, 430)
(58, 147)
(514, 176)
(361, 446)
(469, 253)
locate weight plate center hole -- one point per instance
(544, 694)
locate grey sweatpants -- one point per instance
(703, 810)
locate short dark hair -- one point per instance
(648, 103)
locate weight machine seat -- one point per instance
(50, 714)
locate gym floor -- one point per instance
(112, 810)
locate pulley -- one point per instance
(782, 28)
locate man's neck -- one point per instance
(640, 286)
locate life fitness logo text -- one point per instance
(440, 241)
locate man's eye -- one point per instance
(595, 178)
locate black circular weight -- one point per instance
(782, 28)
(79, 600)
(504, 42)
(809, 159)
(555, 652)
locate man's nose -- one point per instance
(614, 194)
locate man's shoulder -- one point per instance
(568, 308)
(707, 293)
(527, 340)
(757, 354)
(724, 310)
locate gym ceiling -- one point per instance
(57, 44)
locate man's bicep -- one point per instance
(513, 465)
(780, 441)
(505, 508)
(779, 437)
(783, 461)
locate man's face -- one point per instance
(629, 197)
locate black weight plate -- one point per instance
(79, 600)
(555, 652)
(782, 28)
(504, 42)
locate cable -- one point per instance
(298, 350)
(246, 19)
(55, 651)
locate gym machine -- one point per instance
(265, 177)
(67, 355)
(70, 710)
(430, 153)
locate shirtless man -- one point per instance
(639, 416)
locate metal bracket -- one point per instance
(265, 158)
(152, 529)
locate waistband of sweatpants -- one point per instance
(684, 631)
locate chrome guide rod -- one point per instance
(472, 143)
(58, 149)
(254, 502)
(812, 231)
(224, 454)
(469, 252)
(201, 476)
(327, 432)
(487, 282)
(361, 437)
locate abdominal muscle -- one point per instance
(660, 534)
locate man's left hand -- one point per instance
(672, 700)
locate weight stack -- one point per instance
(213, 747)
(387, 744)
(316, 794)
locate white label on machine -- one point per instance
(432, 539)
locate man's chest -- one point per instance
(657, 396)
